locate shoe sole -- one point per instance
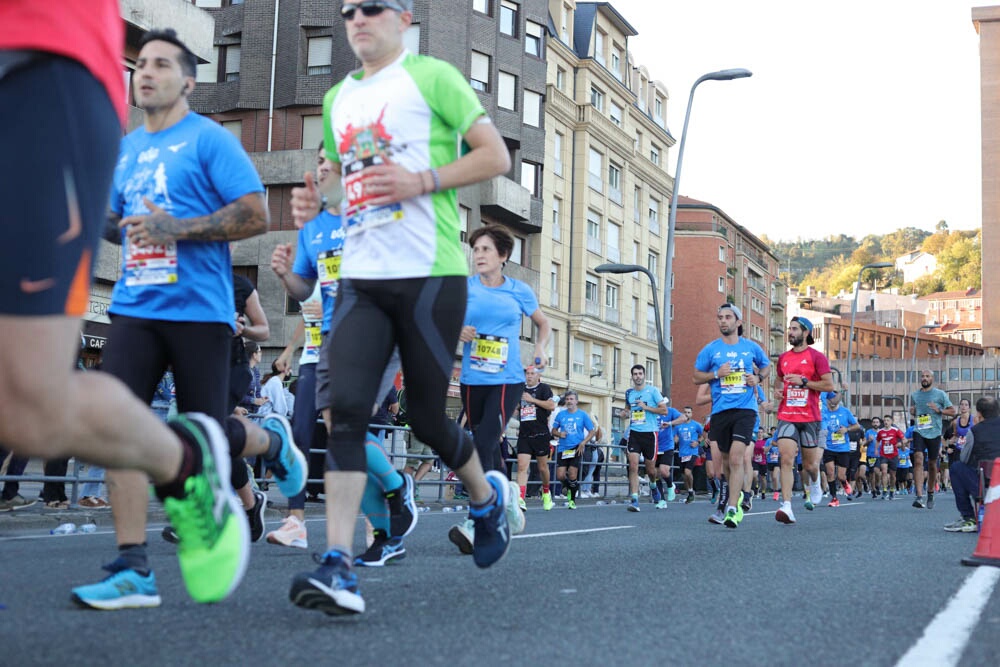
(382, 562)
(517, 525)
(260, 504)
(296, 452)
(459, 539)
(410, 504)
(295, 544)
(728, 523)
(313, 594)
(716, 520)
(782, 517)
(632, 508)
(126, 602)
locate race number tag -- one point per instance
(360, 214)
(568, 454)
(838, 438)
(796, 397)
(314, 339)
(734, 383)
(152, 265)
(924, 422)
(328, 269)
(888, 449)
(638, 416)
(489, 354)
(527, 412)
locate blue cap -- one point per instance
(806, 324)
(826, 395)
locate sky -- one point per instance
(861, 117)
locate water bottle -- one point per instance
(982, 512)
(63, 529)
(459, 508)
(447, 509)
(88, 528)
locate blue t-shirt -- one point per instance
(732, 392)
(665, 438)
(688, 435)
(928, 422)
(872, 450)
(190, 169)
(833, 420)
(495, 356)
(320, 249)
(773, 453)
(640, 420)
(576, 424)
(904, 458)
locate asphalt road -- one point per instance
(856, 585)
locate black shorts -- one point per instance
(733, 424)
(687, 462)
(571, 462)
(892, 464)
(841, 459)
(643, 443)
(665, 458)
(59, 134)
(760, 468)
(902, 474)
(534, 445)
(930, 445)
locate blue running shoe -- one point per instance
(402, 508)
(383, 550)
(654, 494)
(492, 534)
(331, 589)
(124, 588)
(290, 467)
(633, 504)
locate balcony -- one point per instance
(506, 201)
(593, 308)
(611, 315)
(594, 245)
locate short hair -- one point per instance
(688, 407)
(501, 237)
(884, 417)
(988, 407)
(407, 5)
(187, 60)
(250, 347)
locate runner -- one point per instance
(689, 435)
(644, 402)
(533, 438)
(904, 469)
(773, 457)
(838, 422)
(732, 366)
(394, 128)
(575, 429)
(928, 404)
(890, 438)
(803, 374)
(665, 455)
(492, 380)
(871, 457)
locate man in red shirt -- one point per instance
(889, 439)
(803, 374)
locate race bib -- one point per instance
(838, 438)
(568, 454)
(924, 422)
(796, 397)
(888, 449)
(152, 265)
(360, 214)
(489, 354)
(685, 459)
(734, 383)
(328, 269)
(960, 441)
(638, 416)
(314, 339)
(527, 412)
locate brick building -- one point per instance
(960, 313)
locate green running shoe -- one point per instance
(547, 503)
(732, 519)
(214, 534)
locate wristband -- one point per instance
(716, 373)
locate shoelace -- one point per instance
(195, 515)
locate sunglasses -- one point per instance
(369, 9)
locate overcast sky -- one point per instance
(861, 116)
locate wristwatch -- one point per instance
(804, 382)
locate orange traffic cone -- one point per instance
(988, 549)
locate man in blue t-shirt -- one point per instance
(927, 405)
(732, 366)
(689, 435)
(665, 456)
(645, 403)
(575, 429)
(838, 421)
(871, 456)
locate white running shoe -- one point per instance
(292, 533)
(785, 513)
(515, 517)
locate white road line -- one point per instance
(945, 638)
(819, 507)
(571, 532)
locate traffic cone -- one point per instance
(988, 548)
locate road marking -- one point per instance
(803, 509)
(571, 532)
(945, 638)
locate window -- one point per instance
(507, 91)
(638, 142)
(616, 63)
(508, 18)
(651, 372)
(553, 349)
(722, 253)
(599, 40)
(592, 296)
(615, 183)
(312, 131)
(481, 6)
(654, 154)
(650, 325)
(411, 38)
(463, 221)
(635, 318)
(557, 151)
(236, 127)
(567, 20)
(320, 56)
(653, 262)
(637, 204)
(231, 56)
(722, 284)
(554, 285)
(597, 99)
(517, 252)
(577, 355)
(616, 114)
(596, 359)
(532, 109)
(595, 170)
(594, 231)
(480, 71)
(611, 296)
(209, 72)
(560, 78)
(556, 211)
(654, 216)
(614, 233)
(658, 110)
(533, 34)
(531, 177)
(636, 253)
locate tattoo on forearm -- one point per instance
(238, 220)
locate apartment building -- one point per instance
(959, 312)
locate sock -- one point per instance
(482, 509)
(134, 557)
(635, 497)
(714, 485)
(524, 490)
(190, 465)
(273, 446)
(833, 492)
(574, 487)
(341, 552)
(659, 486)
(545, 489)
(723, 492)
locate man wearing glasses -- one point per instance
(392, 129)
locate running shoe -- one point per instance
(775, 496)
(292, 533)
(290, 468)
(715, 497)
(169, 534)
(746, 501)
(809, 503)
(633, 504)
(515, 517)
(255, 515)
(919, 503)
(690, 498)
(654, 494)
(732, 518)
(332, 588)
(885, 495)
(892, 495)
(962, 526)
(123, 588)
(671, 494)
(463, 535)
(930, 502)
(492, 533)
(785, 513)
(16, 503)
(214, 536)
(523, 505)
(717, 518)
(547, 503)
(571, 504)
(383, 550)
(402, 508)
(833, 503)
(847, 489)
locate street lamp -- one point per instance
(667, 348)
(636, 268)
(913, 357)
(854, 312)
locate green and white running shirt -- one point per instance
(412, 113)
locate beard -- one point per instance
(925, 383)
(795, 342)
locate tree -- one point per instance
(935, 243)
(942, 226)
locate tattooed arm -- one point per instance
(246, 217)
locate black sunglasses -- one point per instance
(369, 9)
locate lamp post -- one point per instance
(667, 348)
(913, 357)
(854, 312)
(661, 345)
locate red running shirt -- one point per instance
(888, 442)
(90, 32)
(798, 404)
